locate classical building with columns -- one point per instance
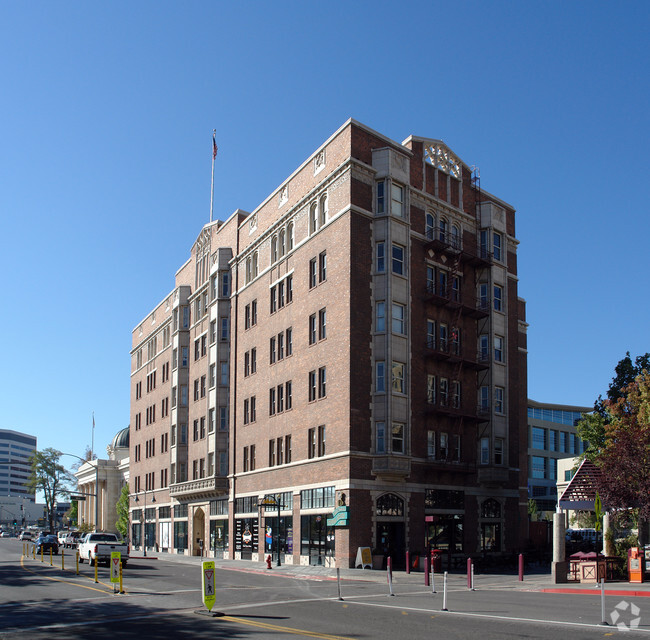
(343, 367)
(101, 482)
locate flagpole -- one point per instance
(214, 155)
(92, 446)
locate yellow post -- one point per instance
(50, 556)
(23, 549)
(96, 580)
(34, 552)
(62, 559)
(121, 585)
(41, 553)
(77, 557)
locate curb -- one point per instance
(596, 592)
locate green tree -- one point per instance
(122, 507)
(51, 477)
(626, 373)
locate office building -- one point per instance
(343, 367)
(15, 468)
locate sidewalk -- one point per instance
(534, 581)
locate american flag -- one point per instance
(214, 147)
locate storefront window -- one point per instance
(180, 536)
(317, 538)
(218, 537)
(271, 533)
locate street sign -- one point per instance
(116, 557)
(207, 585)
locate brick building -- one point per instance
(353, 349)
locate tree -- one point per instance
(625, 456)
(122, 507)
(626, 373)
(51, 477)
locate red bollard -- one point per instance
(469, 573)
(408, 562)
(427, 579)
(521, 567)
(268, 562)
(389, 565)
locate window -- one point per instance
(381, 316)
(397, 200)
(224, 373)
(273, 303)
(455, 394)
(195, 431)
(443, 334)
(245, 458)
(210, 420)
(247, 317)
(312, 273)
(223, 418)
(539, 438)
(213, 375)
(381, 257)
(498, 349)
(429, 225)
(483, 299)
(313, 218)
(288, 339)
(431, 279)
(272, 453)
(287, 448)
(498, 451)
(455, 236)
(254, 313)
(483, 347)
(274, 249)
(197, 349)
(431, 334)
(398, 377)
(272, 401)
(280, 450)
(498, 400)
(444, 392)
(224, 329)
(184, 397)
(322, 267)
(397, 437)
(538, 467)
(380, 382)
(311, 443)
(431, 445)
(280, 344)
(321, 440)
(498, 298)
(247, 364)
(484, 398)
(496, 237)
(312, 386)
(398, 318)
(431, 389)
(485, 450)
(203, 386)
(290, 236)
(288, 396)
(312, 328)
(380, 437)
(253, 360)
(282, 247)
(380, 197)
(185, 356)
(443, 230)
(225, 284)
(456, 444)
(322, 324)
(398, 259)
(322, 382)
(253, 409)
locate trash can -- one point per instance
(436, 560)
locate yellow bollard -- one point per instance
(34, 552)
(121, 585)
(50, 556)
(77, 557)
(41, 553)
(96, 580)
(62, 560)
(23, 549)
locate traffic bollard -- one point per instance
(433, 579)
(50, 556)
(77, 557)
(408, 562)
(121, 585)
(473, 577)
(389, 575)
(34, 552)
(444, 592)
(96, 565)
(603, 620)
(469, 573)
(338, 581)
(41, 553)
(426, 571)
(521, 567)
(62, 560)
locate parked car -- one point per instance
(25, 535)
(45, 543)
(5, 534)
(98, 546)
(61, 536)
(72, 539)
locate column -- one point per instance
(559, 567)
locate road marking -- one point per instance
(273, 627)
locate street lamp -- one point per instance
(274, 501)
(96, 494)
(144, 521)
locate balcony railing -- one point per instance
(202, 487)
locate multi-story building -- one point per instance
(16, 448)
(353, 349)
(552, 436)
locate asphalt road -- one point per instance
(163, 597)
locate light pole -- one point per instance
(271, 501)
(96, 494)
(144, 521)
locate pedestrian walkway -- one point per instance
(535, 581)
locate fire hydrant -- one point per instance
(268, 562)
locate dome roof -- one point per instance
(121, 439)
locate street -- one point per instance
(162, 598)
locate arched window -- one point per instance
(455, 236)
(290, 237)
(283, 243)
(255, 265)
(313, 218)
(274, 249)
(491, 509)
(322, 218)
(249, 270)
(429, 226)
(444, 230)
(390, 505)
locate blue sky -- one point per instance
(106, 122)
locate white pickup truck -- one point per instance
(98, 546)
